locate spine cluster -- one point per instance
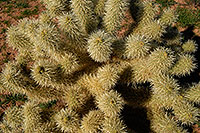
(73, 55)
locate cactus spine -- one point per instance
(73, 55)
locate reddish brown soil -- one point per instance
(183, 4)
(10, 13)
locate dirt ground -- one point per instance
(11, 11)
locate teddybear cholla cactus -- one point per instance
(72, 54)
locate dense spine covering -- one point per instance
(114, 124)
(72, 30)
(184, 65)
(167, 87)
(84, 12)
(47, 74)
(32, 121)
(168, 17)
(67, 120)
(17, 40)
(14, 79)
(114, 13)
(56, 7)
(100, 8)
(136, 47)
(92, 122)
(73, 54)
(99, 46)
(110, 103)
(192, 94)
(161, 122)
(189, 47)
(76, 97)
(14, 118)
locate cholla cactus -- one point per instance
(72, 54)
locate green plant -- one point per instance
(9, 98)
(6, 22)
(188, 17)
(22, 5)
(78, 74)
(165, 3)
(3, 0)
(8, 8)
(3, 30)
(5, 60)
(26, 12)
(194, 2)
(35, 11)
(19, 17)
(29, 12)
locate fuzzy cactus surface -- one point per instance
(79, 75)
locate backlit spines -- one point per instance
(99, 8)
(84, 12)
(29, 28)
(136, 47)
(183, 110)
(151, 31)
(92, 122)
(73, 54)
(111, 103)
(168, 17)
(45, 17)
(164, 87)
(108, 76)
(69, 62)
(141, 73)
(100, 46)
(192, 94)
(14, 118)
(114, 124)
(24, 57)
(44, 94)
(67, 120)
(91, 83)
(102, 80)
(76, 97)
(5, 128)
(17, 40)
(48, 37)
(39, 52)
(114, 14)
(72, 30)
(14, 79)
(189, 47)
(3, 88)
(147, 12)
(32, 121)
(160, 60)
(184, 65)
(161, 122)
(50, 43)
(47, 74)
(8, 77)
(56, 7)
